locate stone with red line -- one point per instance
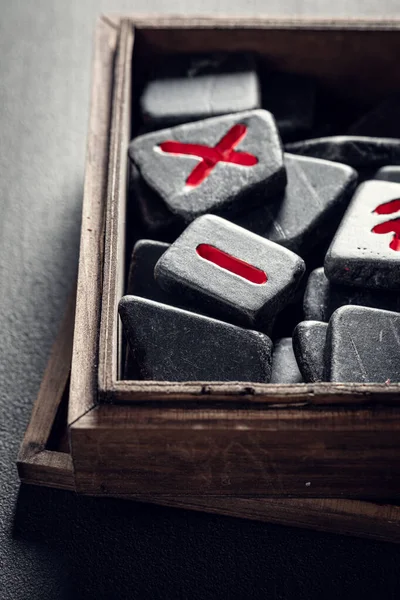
(222, 165)
(228, 272)
(365, 251)
(171, 344)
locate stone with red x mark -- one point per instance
(365, 251)
(223, 165)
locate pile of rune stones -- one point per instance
(271, 217)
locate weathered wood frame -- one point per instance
(167, 441)
(40, 465)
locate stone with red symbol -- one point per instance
(221, 165)
(363, 345)
(230, 273)
(365, 251)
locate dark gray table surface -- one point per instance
(53, 544)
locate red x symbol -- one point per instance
(210, 156)
(393, 225)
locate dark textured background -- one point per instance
(54, 545)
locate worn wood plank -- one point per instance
(39, 466)
(35, 463)
(239, 394)
(303, 452)
(114, 242)
(83, 390)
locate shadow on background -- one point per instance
(109, 548)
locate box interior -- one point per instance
(336, 59)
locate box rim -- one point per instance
(347, 517)
(170, 21)
(86, 415)
(124, 391)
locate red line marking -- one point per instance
(387, 208)
(232, 264)
(391, 226)
(210, 156)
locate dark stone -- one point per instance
(250, 292)
(365, 251)
(363, 345)
(382, 121)
(152, 211)
(356, 151)
(141, 281)
(322, 297)
(191, 186)
(171, 344)
(388, 173)
(313, 203)
(309, 339)
(284, 364)
(291, 99)
(188, 88)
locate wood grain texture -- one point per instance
(40, 466)
(46, 537)
(115, 210)
(35, 463)
(215, 452)
(269, 441)
(83, 389)
(333, 56)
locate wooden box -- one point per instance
(278, 452)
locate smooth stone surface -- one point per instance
(363, 345)
(322, 298)
(170, 344)
(360, 254)
(291, 99)
(313, 203)
(309, 339)
(284, 364)
(189, 88)
(381, 121)
(227, 188)
(183, 272)
(388, 173)
(356, 151)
